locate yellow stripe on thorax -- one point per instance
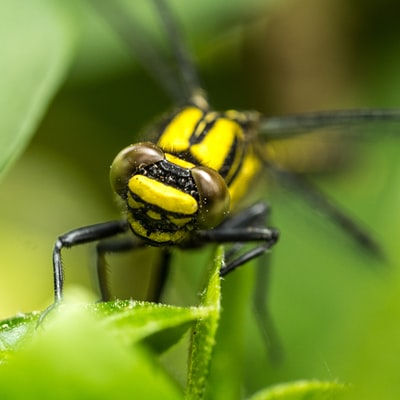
(176, 135)
(215, 147)
(251, 166)
(163, 196)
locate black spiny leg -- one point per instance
(86, 234)
(78, 236)
(113, 245)
(240, 229)
(257, 217)
(249, 226)
(264, 320)
(163, 270)
(118, 245)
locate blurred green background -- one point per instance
(337, 312)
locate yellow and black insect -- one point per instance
(186, 188)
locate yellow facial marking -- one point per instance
(157, 237)
(179, 221)
(163, 196)
(154, 215)
(132, 203)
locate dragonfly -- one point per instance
(187, 186)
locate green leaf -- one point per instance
(37, 42)
(15, 331)
(75, 356)
(203, 334)
(82, 350)
(302, 390)
(132, 321)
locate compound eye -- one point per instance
(129, 160)
(214, 197)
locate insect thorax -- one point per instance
(223, 141)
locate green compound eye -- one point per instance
(129, 160)
(214, 197)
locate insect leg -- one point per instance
(163, 273)
(257, 216)
(248, 226)
(113, 245)
(78, 236)
(261, 310)
(241, 229)
(127, 244)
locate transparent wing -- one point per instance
(182, 85)
(324, 140)
(355, 121)
(295, 145)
